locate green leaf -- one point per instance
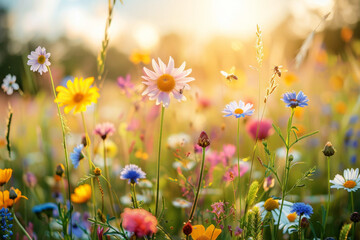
(294, 127)
(277, 130)
(303, 137)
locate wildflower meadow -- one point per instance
(202, 120)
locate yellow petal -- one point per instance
(212, 233)
(198, 230)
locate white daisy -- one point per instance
(181, 203)
(350, 181)
(39, 60)
(166, 80)
(9, 84)
(273, 206)
(289, 222)
(238, 110)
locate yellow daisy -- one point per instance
(5, 175)
(199, 232)
(78, 94)
(81, 194)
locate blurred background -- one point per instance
(211, 36)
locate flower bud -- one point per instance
(328, 150)
(355, 217)
(60, 169)
(97, 171)
(84, 141)
(291, 158)
(203, 140)
(305, 223)
(187, 229)
(12, 195)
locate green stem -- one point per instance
(108, 181)
(134, 195)
(287, 167)
(90, 166)
(199, 185)
(21, 227)
(238, 161)
(353, 210)
(158, 163)
(64, 146)
(329, 196)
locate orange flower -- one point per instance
(140, 56)
(199, 232)
(81, 194)
(346, 34)
(7, 201)
(5, 175)
(290, 78)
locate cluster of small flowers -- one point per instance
(6, 223)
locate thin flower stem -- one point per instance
(300, 235)
(353, 210)
(238, 161)
(134, 195)
(287, 167)
(21, 227)
(90, 166)
(328, 202)
(64, 146)
(158, 163)
(199, 186)
(108, 181)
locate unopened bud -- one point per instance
(328, 150)
(83, 141)
(355, 217)
(187, 229)
(305, 223)
(203, 140)
(291, 158)
(12, 195)
(60, 169)
(97, 171)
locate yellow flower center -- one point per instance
(349, 184)
(292, 217)
(78, 97)
(271, 204)
(238, 111)
(166, 83)
(41, 59)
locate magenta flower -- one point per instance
(233, 171)
(218, 208)
(125, 84)
(104, 130)
(265, 129)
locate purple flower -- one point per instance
(125, 84)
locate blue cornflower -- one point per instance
(132, 173)
(49, 208)
(77, 155)
(302, 209)
(5, 223)
(294, 101)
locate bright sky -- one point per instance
(145, 20)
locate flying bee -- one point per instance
(229, 76)
(278, 70)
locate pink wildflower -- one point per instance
(139, 221)
(104, 130)
(265, 129)
(234, 172)
(125, 84)
(218, 209)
